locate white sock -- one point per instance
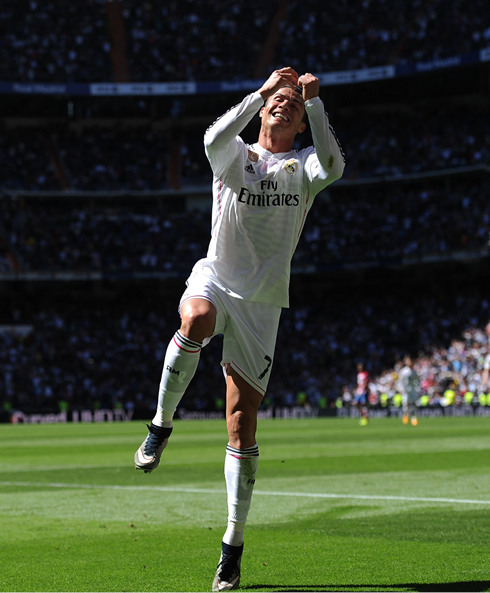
(240, 471)
(179, 366)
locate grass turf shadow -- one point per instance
(421, 587)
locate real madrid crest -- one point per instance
(291, 166)
(252, 156)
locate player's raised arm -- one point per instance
(221, 140)
(327, 146)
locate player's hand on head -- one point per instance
(278, 79)
(310, 85)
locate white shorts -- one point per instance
(249, 330)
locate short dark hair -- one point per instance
(299, 90)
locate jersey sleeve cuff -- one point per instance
(258, 97)
(312, 101)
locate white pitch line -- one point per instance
(256, 492)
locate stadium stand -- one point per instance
(364, 34)
(104, 201)
(137, 158)
(54, 41)
(96, 353)
(410, 221)
(102, 41)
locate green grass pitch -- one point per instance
(337, 507)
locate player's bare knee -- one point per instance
(198, 324)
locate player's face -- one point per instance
(285, 110)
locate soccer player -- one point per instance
(262, 194)
(486, 364)
(410, 388)
(361, 397)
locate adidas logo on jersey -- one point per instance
(249, 169)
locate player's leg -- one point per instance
(182, 356)
(413, 413)
(363, 409)
(180, 364)
(242, 456)
(405, 409)
(248, 352)
(242, 405)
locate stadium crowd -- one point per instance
(88, 354)
(137, 159)
(447, 376)
(349, 225)
(363, 33)
(429, 138)
(396, 222)
(55, 41)
(26, 161)
(92, 355)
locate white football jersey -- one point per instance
(260, 202)
(410, 382)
